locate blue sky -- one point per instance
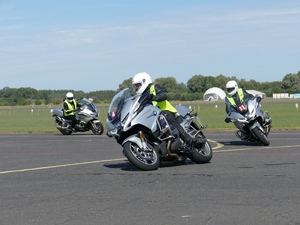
(97, 44)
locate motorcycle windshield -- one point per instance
(89, 105)
(126, 111)
(116, 105)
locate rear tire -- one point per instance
(64, 132)
(261, 136)
(144, 160)
(201, 155)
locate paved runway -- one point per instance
(85, 179)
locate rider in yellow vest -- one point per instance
(235, 97)
(142, 84)
(70, 105)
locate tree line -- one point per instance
(192, 90)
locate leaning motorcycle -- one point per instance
(148, 140)
(86, 119)
(252, 123)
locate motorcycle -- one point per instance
(252, 123)
(148, 140)
(86, 119)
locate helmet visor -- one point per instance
(229, 90)
(70, 99)
(137, 86)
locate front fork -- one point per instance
(93, 123)
(142, 137)
(257, 124)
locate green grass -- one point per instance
(22, 119)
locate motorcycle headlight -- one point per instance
(252, 112)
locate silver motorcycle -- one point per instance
(86, 119)
(252, 123)
(148, 140)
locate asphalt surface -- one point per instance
(84, 179)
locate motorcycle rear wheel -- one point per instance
(261, 136)
(99, 130)
(65, 132)
(201, 155)
(144, 160)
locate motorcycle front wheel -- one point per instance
(261, 136)
(97, 128)
(144, 160)
(201, 155)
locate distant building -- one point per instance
(257, 93)
(297, 95)
(280, 95)
(213, 94)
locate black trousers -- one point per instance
(173, 120)
(73, 120)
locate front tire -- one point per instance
(261, 136)
(97, 128)
(201, 155)
(144, 160)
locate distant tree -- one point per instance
(196, 84)
(127, 84)
(298, 74)
(57, 101)
(183, 97)
(27, 93)
(221, 81)
(7, 92)
(290, 81)
(38, 102)
(181, 88)
(253, 85)
(101, 95)
(209, 82)
(167, 83)
(193, 90)
(270, 87)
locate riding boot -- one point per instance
(198, 141)
(186, 138)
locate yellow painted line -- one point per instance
(258, 148)
(219, 145)
(60, 166)
(120, 159)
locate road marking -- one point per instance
(219, 145)
(120, 159)
(60, 166)
(258, 148)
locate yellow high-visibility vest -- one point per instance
(163, 105)
(70, 107)
(241, 96)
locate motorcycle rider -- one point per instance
(155, 94)
(235, 97)
(69, 106)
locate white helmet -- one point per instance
(70, 96)
(231, 87)
(140, 82)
